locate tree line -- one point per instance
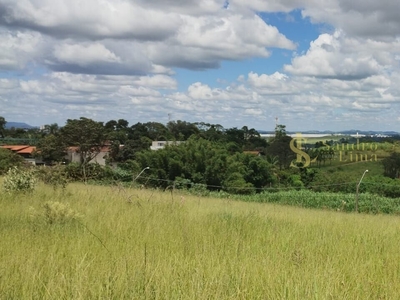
(237, 160)
(211, 154)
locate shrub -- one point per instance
(8, 159)
(182, 183)
(19, 180)
(92, 171)
(55, 176)
(55, 213)
(199, 189)
(120, 174)
(235, 184)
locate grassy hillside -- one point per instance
(348, 173)
(141, 244)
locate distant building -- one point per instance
(157, 145)
(255, 153)
(73, 155)
(26, 151)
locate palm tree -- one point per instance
(52, 128)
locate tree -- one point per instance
(236, 184)
(2, 126)
(182, 129)
(51, 128)
(51, 149)
(129, 150)
(86, 134)
(117, 131)
(9, 159)
(211, 132)
(137, 131)
(157, 131)
(280, 131)
(253, 139)
(391, 165)
(259, 171)
(280, 147)
(235, 135)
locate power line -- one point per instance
(174, 183)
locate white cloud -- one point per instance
(157, 81)
(7, 84)
(253, 112)
(363, 18)
(321, 102)
(106, 57)
(84, 55)
(227, 31)
(338, 56)
(139, 91)
(89, 19)
(18, 48)
(145, 36)
(116, 59)
(272, 83)
(190, 7)
(267, 6)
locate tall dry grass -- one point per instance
(141, 244)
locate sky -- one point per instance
(307, 64)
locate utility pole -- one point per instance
(357, 189)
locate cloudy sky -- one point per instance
(313, 64)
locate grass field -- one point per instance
(142, 244)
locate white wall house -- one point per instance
(74, 156)
(157, 145)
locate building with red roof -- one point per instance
(26, 151)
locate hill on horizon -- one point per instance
(345, 132)
(21, 125)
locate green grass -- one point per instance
(350, 173)
(355, 170)
(141, 244)
(335, 138)
(345, 202)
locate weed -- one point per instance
(19, 180)
(55, 176)
(54, 212)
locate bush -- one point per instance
(8, 159)
(55, 213)
(78, 172)
(197, 189)
(19, 180)
(235, 184)
(120, 174)
(182, 183)
(55, 176)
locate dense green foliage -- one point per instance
(19, 180)
(204, 162)
(210, 157)
(85, 134)
(9, 159)
(51, 149)
(391, 165)
(368, 203)
(2, 126)
(55, 176)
